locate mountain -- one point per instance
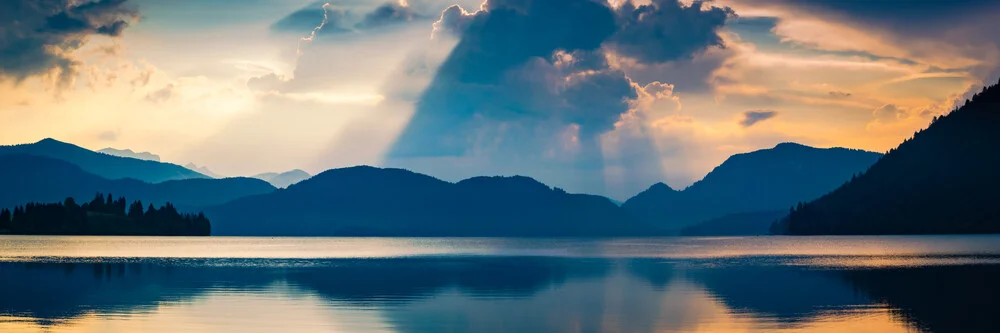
(394, 202)
(942, 180)
(129, 153)
(29, 178)
(104, 165)
(739, 224)
(764, 180)
(204, 170)
(284, 179)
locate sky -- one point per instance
(595, 96)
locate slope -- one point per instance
(104, 165)
(763, 180)
(942, 180)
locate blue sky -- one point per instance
(587, 95)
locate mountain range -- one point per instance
(369, 201)
(741, 196)
(279, 180)
(203, 170)
(104, 165)
(132, 154)
(941, 181)
(761, 181)
(29, 178)
(284, 179)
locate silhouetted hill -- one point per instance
(393, 202)
(940, 181)
(104, 165)
(28, 178)
(131, 154)
(738, 224)
(284, 179)
(764, 180)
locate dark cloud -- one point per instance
(666, 30)
(301, 21)
(388, 14)
(840, 94)
(753, 117)
(510, 32)
(502, 71)
(933, 15)
(333, 18)
(529, 87)
(37, 36)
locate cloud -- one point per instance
(666, 30)
(388, 14)
(161, 95)
(302, 20)
(503, 70)
(937, 33)
(267, 82)
(531, 85)
(453, 21)
(840, 94)
(39, 37)
(889, 113)
(335, 18)
(753, 117)
(108, 136)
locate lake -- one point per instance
(737, 284)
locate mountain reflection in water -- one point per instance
(496, 294)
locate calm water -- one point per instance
(755, 284)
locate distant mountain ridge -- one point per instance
(29, 178)
(370, 201)
(104, 165)
(763, 180)
(132, 154)
(204, 170)
(284, 179)
(942, 180)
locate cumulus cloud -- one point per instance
(530, 84)
(388, 14)
(39, 37)
(753, 117)
(334, 18)
(453, 21)
(503, 69)
(666, 30)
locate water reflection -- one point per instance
(504, 293)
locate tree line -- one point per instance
(101, 216)
(943, 180)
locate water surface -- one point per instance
(738, 284)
